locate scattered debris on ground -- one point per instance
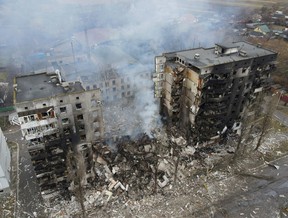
(134, 175)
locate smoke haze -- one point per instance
(142, 29)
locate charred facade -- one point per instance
(57, 117)
(204, 91)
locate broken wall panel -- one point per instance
(206, 90)
(55, 117)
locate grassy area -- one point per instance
(4, 123)
(281, 47)
(3, 76)
(277, 126)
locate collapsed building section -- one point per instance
(56, 117)
(205, 91)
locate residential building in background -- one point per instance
(204, 91)
(56, 118)
(5, 161)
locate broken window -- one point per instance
(80, 117)
(66, 131)
(128, 93)
(107, 84)
(78, 106)
(83, 137)
(81, 127)
(44, 115)
(44, 105)
(94, 86)
(26, 108)
(25, 119)
(65, 120)
(61, 101)
(123, 94)
(31, 117)
(113, 82)
(63, 109)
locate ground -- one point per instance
(213, 186)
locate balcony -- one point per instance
(37, 123)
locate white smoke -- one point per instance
(142, 28)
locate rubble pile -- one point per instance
(132, 171)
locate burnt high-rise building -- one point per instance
(57, 117)
(204, 91)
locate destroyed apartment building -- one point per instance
(205, 91)
(56, 118)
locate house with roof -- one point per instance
(264, 29)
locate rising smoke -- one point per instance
(141, 28)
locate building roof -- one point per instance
(206, 57)
(42, 85)
(263, 29)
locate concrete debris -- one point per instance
(128, 170)
(164, 182)
(273, 165)
(189, 150)
(179, 141)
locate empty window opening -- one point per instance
(63, 109)
(77, 97)
(82, 127)
(65, 120)
(83, 137)
(44, 115)
(80, 117)
(78, 106)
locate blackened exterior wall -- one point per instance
(205, 91)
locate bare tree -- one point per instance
(266, 121)
(76, 173)
(80, 175)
